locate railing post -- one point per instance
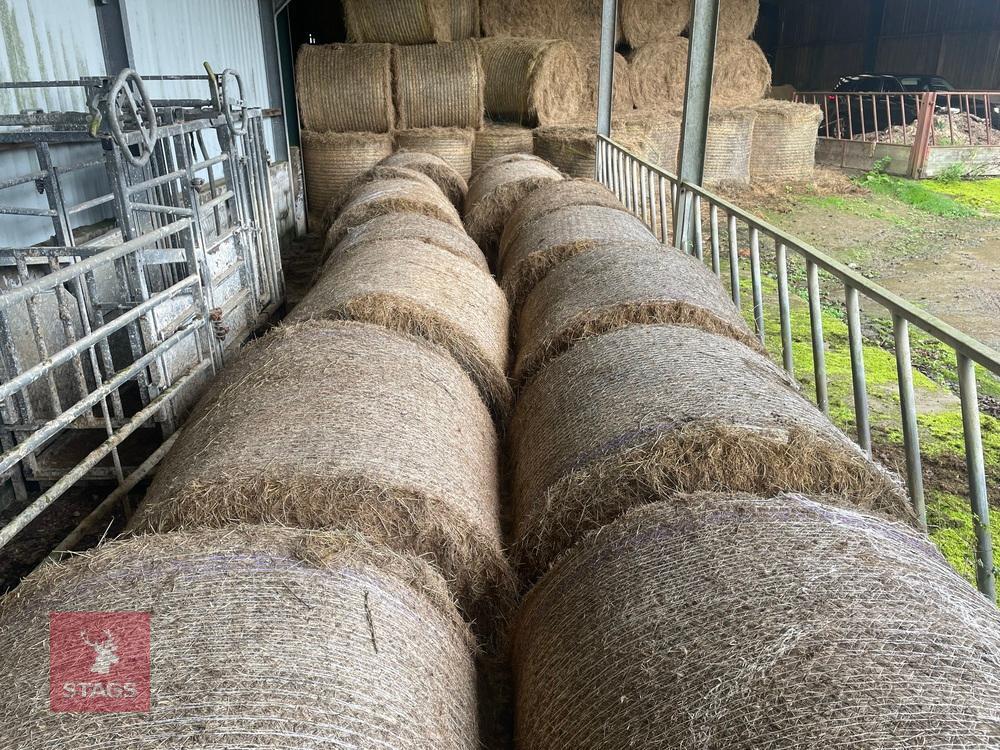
(921, 140)
(908, 410)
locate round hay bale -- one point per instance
(345, 87)
(784, 140)
(646, 21)
(736, 622)
(659, 73)
(495, 191)
(742, 73)
(333, 161)
(391, 193)
(738, 18)
(379, 173)
(727, 147)
(575, 20)
(424, 290)
(622, 100)
(464, 19)
(258, 637)
(532, 81)
(650, 410)
(346, 425)
(609, 288)
(570, 148)
(654, 135)
(544, 243)
(398, 21)
(438, 85)
(411, 226)
(500, 139)
(452, 145)
(446, 177)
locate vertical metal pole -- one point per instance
(756, 283)
(698, 95)
(861, 416)
(699, 251)
(664, 218)
(977, 476)
(713, 221)
(734, 261)
(605, 91)
(784, 309)
(908, 411)
(818, 346)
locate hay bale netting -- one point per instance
(622, 100)
(500, 139)
(645, 21)
(446, 177)
(424, 290)
(654, 135)
(544, 243)
(715, 621)
(411, 226)
(389, 190)
(784, 140)
(452, 145)
(259, 637)
(496, 189)
(613, 287)
(655, 409)
(438, 85)
(727, 148)
(345, 87)
(532, 81)
(345, 425)
(333, 161)
(570, 148)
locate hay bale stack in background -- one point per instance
(738, 18)
(646, 21)
(742, 73)
(452, 145)
(653, 135)
(784, 140)
(578, 21)
(727, 147)
(451, 182)
(729, 621)
(333, 161)
(259, 637)
(608, 288)
(398, 21)
(531, 81)
(500, 139)
(622, 99)
(346, 425)
(438, 85)
(494, 192)
(424, 290)
(655, 409)
(345, 87)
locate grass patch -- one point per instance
(979, 195)
(949, 521)
(917, 195)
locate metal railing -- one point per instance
(678, 214)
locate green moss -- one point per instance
(943, 434)
(914, 193)
(949, 521)
(982, 195)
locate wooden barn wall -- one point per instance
(821, 41)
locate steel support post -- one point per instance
(609, 32)
(698, 95)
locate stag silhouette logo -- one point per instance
(105, 652)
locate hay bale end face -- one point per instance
(784, 140)
(345, 87)
(651, 410)
(346, 425)
(260, 637)
(451, 182)
(334, 161)
(438, 85)
(452, 145)
(742, 73)
(423, 290)
(532, 81)
(500, 139)
(578, 21)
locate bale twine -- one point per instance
(575, 20)
(500, 139)
(446, 177)
(742, 73)
(609, 288)
(438, 85)
(452, 145)
(650, 410)
(333, 161)
(260, 637)
(622, 100)
(784, 140)
(570, 148)
(398, 21)
(543, 244)
(727, 621)
(346, 425)
(645, 21)
(424, 290)
(727, 147)
(345, 87)
(496, 189)
(532, 81)
(391, 193)
(411, 226)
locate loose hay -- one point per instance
(446, 177)
(346, 425)
(650, 410)
(404, 226)
(345, 87)
(398, 21)
(715, 621)
(391, 193)
(727, 148)
(260, 637)
(532, 81)
(438, 85)
(495, 191)
(575, 20)
(784, 140)
(333, 161)
(453, 145)
(500, 139)
(609, 288)
(420, 289)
